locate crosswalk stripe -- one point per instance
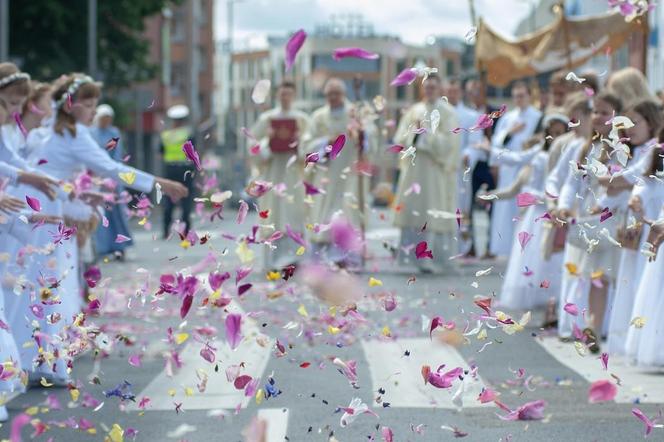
(400, 375)
(635, 383)
(277, 423)
(219, 394)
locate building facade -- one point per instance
(182, 45)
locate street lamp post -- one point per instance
(4, 30)
(92, 38)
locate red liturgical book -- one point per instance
(283, 139)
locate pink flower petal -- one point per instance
(421, 251)
(233, 332)
(19, 123)
(572, 309)
(135, 360)
(186, 305)
(293, 46)
(337, 146)
(344, 235)
(525, 199)
(407, 76)
(242, 212)
(340, 53)
(33, 203)
(604, 358)
(602, 391)
(524, 238)
(121, 238)
(190, 152)
(635, 411)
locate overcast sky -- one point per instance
(412, 20)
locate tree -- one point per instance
(49, 38)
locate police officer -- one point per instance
(176, 165)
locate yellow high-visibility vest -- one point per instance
(172, 140)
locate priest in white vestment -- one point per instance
(282, 134)
(426, 199)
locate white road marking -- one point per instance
(636, 383)
(277, 423)
(219, 394)
(401, 376)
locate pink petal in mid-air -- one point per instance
(340, 53)
(293, 46)
(337, 146)
(526, 199)
(233, 332)
(121, 238)
(407, 76)
(33, 203)
(602, 391)
(422, 252)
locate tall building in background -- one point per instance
(182, 46)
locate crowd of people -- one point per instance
(52, 166)
(573, 190)
(571, 185)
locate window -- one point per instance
(178, 25)
(202, 58)
(449, 68)
(178, 79)
(325, 61)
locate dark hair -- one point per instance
(20, 86)
(521, 84)
(657, 163)
(558, 79)
(289, 84)
(454, 80)
(610, 98)
(63, 119)
(651, 112)
(592, 81)
(434, 77)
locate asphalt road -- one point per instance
(389, 347)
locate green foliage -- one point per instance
(49, 38)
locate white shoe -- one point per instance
(4, 416)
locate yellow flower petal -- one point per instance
(333, 330)
(181, 337)
(300, 251)
(302, 310)
(571, 268)
(32, 411)
(127, 177)
(597, 275)
(188, 391)
(143, 221)
(74, 393)
(373, 282)
(273, 276)
(171, 392)
(116, 434)
(638, 322)
(44, 382)
(482, 335)
(185, 244)
(386, 331)
(260, 394)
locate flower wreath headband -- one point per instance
(72, 89)
(13, 77)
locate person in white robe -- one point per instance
(426, 198)
(470, 156)
(512, 131)
(285, 202)
(339, 187)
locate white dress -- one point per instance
(632, 262)
(502, 224)
(67, 156)
(523, 287)
(644, 345)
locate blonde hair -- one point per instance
(37, 91)
(20, 86)
(63, 119)
(630, 85)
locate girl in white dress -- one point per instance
(524, 286)
(646, 117)
(643, 345)
(573, 288)
(596, 213)
(50, 299)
